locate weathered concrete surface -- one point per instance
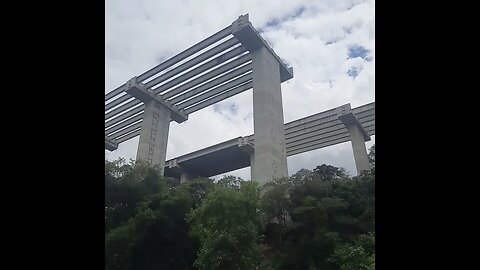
(270, 159)
(152, 145)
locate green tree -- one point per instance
(326, 221)
(355, 257)
(145, 217)
(328, 211)
(126, 185)
(230, 181)
(301, 177)
(275, 201)
(348, 257)
(329, 172)
(229, 227)
(157, 236)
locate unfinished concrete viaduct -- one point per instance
(229, 62)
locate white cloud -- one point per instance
(140, 34)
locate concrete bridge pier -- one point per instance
(152, 145)
(358, 137)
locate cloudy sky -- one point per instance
(329, 43)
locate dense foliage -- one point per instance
(315, 219)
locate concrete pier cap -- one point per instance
(140, 92)
(346, 116)
(110, 144)
(243, 30)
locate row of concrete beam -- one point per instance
(212, 70)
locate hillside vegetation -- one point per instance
(315, 219)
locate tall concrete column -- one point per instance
(252, 165)
(152, 146)
(268, 72)
(270, 155)
(358, 137)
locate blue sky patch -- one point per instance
(353, 72)
(358, 51)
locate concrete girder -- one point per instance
(175, 59)
(218, 90)
(126, 131)
(127, 123)
(234, 91)
(225, 71)
(129, 136)
(211, 84)
(184, 77)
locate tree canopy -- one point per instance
(314, 219)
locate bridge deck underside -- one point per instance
(227, 159)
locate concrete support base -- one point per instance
(185, 176)
(270, 155)
(152, 146)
